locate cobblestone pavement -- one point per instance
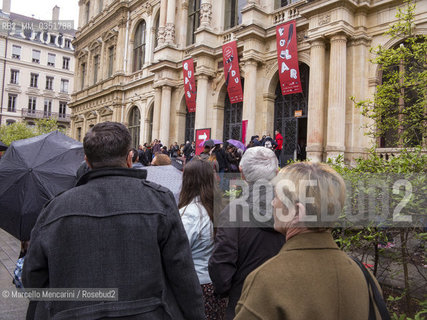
(10, 309)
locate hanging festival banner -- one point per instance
(189, 84)
(231, 72)
(287, 55)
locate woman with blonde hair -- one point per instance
(310, 278)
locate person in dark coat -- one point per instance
(222, 165)
(245, 239)
(114, 229)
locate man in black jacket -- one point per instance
(245, 237)
(113, 230)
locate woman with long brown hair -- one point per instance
(196, 206)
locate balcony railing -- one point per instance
(284, 14)
(38, 114)
(388, 153)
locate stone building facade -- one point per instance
(129, 68)
(36, 69)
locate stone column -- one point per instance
(121, 43)
(165, 115)
(201, 101)
(162, 22)
(205, 13)
(335, 144)
(316, 108)
(170, 22)
(182, 40)
(249, 96)
(156, 113)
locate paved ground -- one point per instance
(10, 309)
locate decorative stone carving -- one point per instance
(301, 36)
(205, 14)
(184, 4)
(324, 19)
(161, 35)
(170, 32)
(148, 8)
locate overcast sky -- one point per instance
(42, 9)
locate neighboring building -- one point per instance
(37, 69)
(129, 68)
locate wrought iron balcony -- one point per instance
(39, 114)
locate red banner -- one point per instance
(231, 72)
(244, 128)
(201, 136)
(287, 55)
(189, 84)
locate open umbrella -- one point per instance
(31, 172)
(2, 146)
(238, 144)
(210, 143)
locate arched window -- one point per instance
(139, 46)
(190, 118)
(233, 119)
(156, 31)
(293, 129)
(150, 125)
(233, 13)
(193, 21)
(135, 126)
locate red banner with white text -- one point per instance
(189, 84)
(287, 55)
(231, 72)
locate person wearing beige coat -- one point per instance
(310, 278)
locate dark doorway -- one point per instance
(233, 118)
(190, 118)
(293, 127)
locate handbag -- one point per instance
(375, 296)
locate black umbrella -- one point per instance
(2, 146)
(31, 172)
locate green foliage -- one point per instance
(398, 108)
(20, 130)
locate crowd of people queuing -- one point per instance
(188, 255)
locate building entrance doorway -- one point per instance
(290, 118)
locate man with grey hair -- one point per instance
(245, 237)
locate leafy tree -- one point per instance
(399, 105)
(20, 130)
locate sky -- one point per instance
(42, 9)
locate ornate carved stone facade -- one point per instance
(333, 50)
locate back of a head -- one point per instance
(198, 179)
(259, 163)
(161, 160)
(317, 181)
(107, 145)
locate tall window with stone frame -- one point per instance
(283, 3)
(11, 104)
(36, 56)
(62, 109)
(135, 125)
(16, 52)
(32, 104)
(64, 86)
(139, 46)
(83, 75)
(95, 68)
(110, 61)
(14, 76)
(193, 20)
(65, 63)
(34, 80)
(49, 83)
(47, 108)
(51, 59)
(233, 13)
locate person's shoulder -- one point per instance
(154, 186)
